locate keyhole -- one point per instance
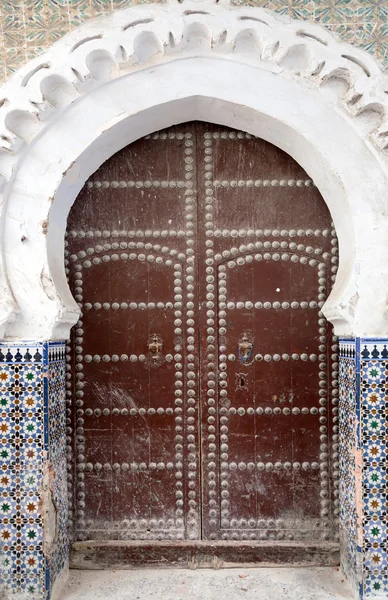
(242, 381)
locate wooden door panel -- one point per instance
(260, 323)
(254, 206)
(140, 207)
(133, 354)
(112, 280)
(201, 255)
(267, 279)
(251, 160)
(270, 256)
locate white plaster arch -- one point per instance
(145, 68)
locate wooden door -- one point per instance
(202, 372)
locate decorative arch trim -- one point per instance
(118, 78)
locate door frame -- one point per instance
(149, 67)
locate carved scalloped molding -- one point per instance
(132, 42)
(138, 37)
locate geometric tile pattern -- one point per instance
(349, 442)
(29, 27)
(364, 449)
(32, 461)
(374, 394)
(57, 454)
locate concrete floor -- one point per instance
(205, 584)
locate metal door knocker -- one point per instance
(245, 349)
(155, 346)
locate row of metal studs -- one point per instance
(224, 135)
(107, 246)
(272, 245)
(171, 135)
(244, 534)
(69, 429)
(79, 385)
(210, 342)
(277, 357)
(164, 233)
(268, 410)
(223, 394)
(178, 409)
(276, 305)
(275, 256)
(322, 374)
(131, 535)
(136, 524)
(130, 305)
(324, 457)
(138, 233)
(124, 256)
(172, 183)
(169, 357)
(335, 392)
(253, 523)
(272, 233)
(250, 183)
(98, 412)
(275, 250)
(104, 184)
(133, 466)
(123, 358)
(269, 466)
(323, 437)
(241, 260)
(79, 416)
(193, 527)
(230, 135)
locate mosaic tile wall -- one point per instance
(28, 27)
(349, 443)
(363, 464)
(32, 462)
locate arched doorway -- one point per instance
(204, 375)
(108, 85)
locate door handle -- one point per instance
(155, 347)
(245, 349)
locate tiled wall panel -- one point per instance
(29, 27)
(349, 440)
(32, 468)
(363, 464)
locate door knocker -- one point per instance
(245, 349)
(155, 346)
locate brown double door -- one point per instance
(202, 372)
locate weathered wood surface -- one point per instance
(203, 373)
(216, 555)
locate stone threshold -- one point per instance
(280, 583)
